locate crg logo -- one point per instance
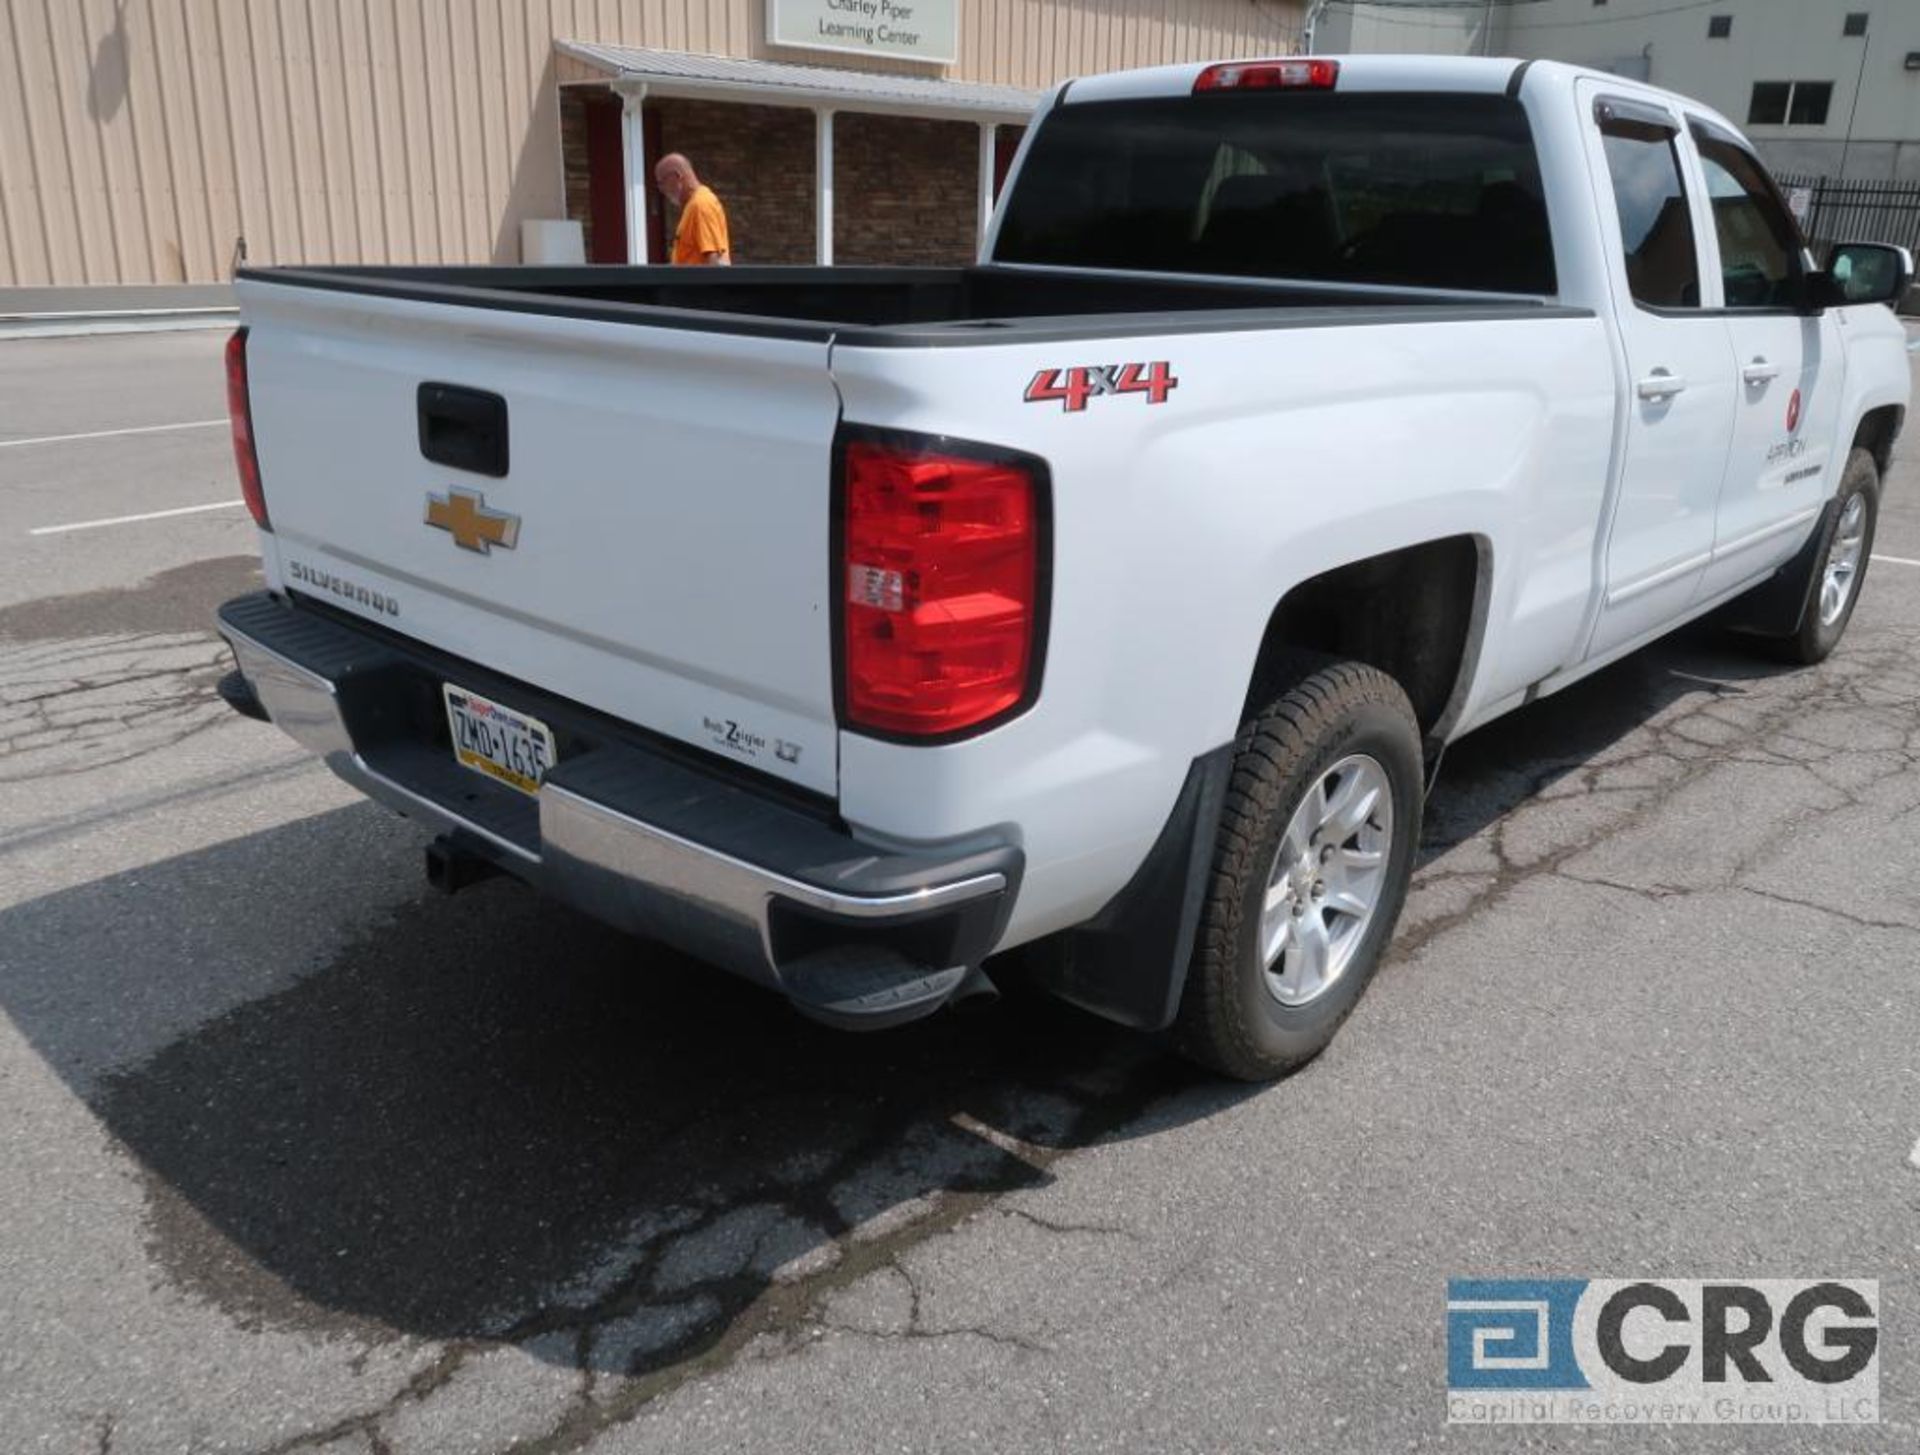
(1663, 1351)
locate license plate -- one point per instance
(507, 746)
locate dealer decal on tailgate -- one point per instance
(1074, 387)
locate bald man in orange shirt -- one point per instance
(701, 236)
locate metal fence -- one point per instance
(1831, 211)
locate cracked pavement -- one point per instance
(301, 1158)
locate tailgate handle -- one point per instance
(465, 428)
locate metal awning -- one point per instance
(780, 83)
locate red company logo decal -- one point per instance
(1793, 412)
(1074, 387)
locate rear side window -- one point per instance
(1401, 190)
(1656, 229)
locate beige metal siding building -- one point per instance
(140, 140)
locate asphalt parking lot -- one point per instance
(299, 1156)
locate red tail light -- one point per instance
(941, 566)
(1292, 73)
(240, 413)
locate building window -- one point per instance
(1719, 27)
(1810, 102)
(1769, 104)
(1789, 103)
(1855, 23)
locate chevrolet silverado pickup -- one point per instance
(1111, 600)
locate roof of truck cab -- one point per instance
(1357, 73)
(1481, 75)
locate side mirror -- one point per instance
(1863, 273)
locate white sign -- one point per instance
(1799, 199)
(914, 30)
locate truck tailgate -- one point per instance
(657, 547)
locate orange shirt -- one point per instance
(703, 228)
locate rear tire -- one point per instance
(1839, 566)
(1310, 869)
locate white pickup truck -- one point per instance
(1114, 598)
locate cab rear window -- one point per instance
(1404, 190)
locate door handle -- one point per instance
(1759, 371)
(1660, 384)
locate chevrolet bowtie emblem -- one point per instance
(464, 515)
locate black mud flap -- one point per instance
(1129, 962)
(1774, 607)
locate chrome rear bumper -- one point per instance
(646, 840)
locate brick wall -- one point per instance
(573, 155)
(759, 159)
(905, 190)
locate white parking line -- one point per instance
(1897, 561)
(101, 434)
(54, 530)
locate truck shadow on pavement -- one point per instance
(1491, 772)
(487, 1119)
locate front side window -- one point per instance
(1759, 244)
(1656, 229)
(1428, 191)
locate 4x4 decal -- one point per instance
(1074, 387)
